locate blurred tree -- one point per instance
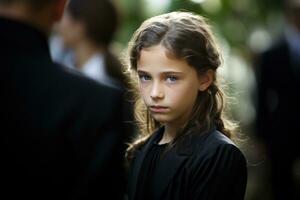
(235, 20)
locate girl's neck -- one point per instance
(169, 134)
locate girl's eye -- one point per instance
(144, 77)
(172, 79)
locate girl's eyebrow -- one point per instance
(172, 72)
(142, 72)
(163, 72)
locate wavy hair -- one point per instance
(186, 36)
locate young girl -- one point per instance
(185, 151)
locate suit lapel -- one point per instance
(137, 164)
(170, 164)
(174, 159)
(166, 171)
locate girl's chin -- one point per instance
(160, 119)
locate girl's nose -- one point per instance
(156, 92)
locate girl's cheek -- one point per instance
(143, 92)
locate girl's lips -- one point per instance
(158, 109)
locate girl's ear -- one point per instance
(206, 79)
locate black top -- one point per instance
(206, 167)
(151, 163)
(61, 133)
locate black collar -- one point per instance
(19, 37)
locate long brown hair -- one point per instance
(187, 36)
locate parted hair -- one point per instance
(187, 36)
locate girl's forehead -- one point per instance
(157, 58)
(157, 53)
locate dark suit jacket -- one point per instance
(204, 167)
(278, 108)
(61, 133)
(278, 83)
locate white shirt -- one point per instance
(95, 69)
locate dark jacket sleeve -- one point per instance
(101, 146)
(220, 175)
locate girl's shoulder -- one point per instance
(216, 139)
(219, 164)
(215, 145)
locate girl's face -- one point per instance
(168, 86)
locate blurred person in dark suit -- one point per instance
(278, 104)
(61, 133)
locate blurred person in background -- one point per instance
(61, 133)
(87, 29)
(278, 83)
